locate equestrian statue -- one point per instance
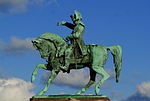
(64, 56)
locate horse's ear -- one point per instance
(32, 41)
(35, 41)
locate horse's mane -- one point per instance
(59, 43)
(56, 39)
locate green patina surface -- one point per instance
(59, 55)
(62, 96)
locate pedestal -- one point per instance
(70, 98)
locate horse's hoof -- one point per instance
(97, 89)
(40, 93)
(78, 93)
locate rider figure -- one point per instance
(77, 44)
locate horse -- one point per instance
(48, 45)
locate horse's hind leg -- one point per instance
(104, 75)
(91, 82)
(99, 59)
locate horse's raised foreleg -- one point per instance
(51, 78)
(43, 66)
(104, 75)
(90, 83)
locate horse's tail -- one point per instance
(116, 51)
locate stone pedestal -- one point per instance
(70, 98)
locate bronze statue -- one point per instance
(76, 38)
(62, 56)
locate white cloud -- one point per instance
(13, 6)
(39, 2)
(144, 89)
(16, 45)
(75, 79)
(16, 6)
(142, 93)
(14, 89)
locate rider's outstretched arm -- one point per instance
(67, 24)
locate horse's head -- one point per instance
(45, 47)
(49, 43)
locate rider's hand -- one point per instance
(61, 23)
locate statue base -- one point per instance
(70, 98)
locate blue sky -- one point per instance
(108, 22)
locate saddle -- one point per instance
(77, 56)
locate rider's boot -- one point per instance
(83, 51)
(66, 66)
(67, 59)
